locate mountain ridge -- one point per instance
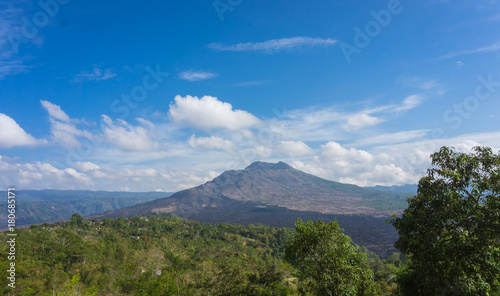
(48, 205)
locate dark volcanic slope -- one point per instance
(373, 233)
(277, 194)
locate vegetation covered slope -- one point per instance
(160, 256)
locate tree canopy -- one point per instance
(166, 255)
(451, 229)
(329, 258)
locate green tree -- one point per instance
(76, 220)
(451, 229)
(328, 258)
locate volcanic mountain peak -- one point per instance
(259, 165)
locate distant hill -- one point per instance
(408, 189)
(39, 206)
(277, 194)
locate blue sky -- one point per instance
(163, 95)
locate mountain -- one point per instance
(277, 194)
(39, 206)
(409, 189)
(280, 185)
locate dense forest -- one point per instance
(159, 255)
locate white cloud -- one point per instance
(295, 148)
(97, 74)
(87, 166)
(145, 122)
(12, 67)
(208, 143)
(276, 45)
(324, 124)
(185, 180)
(63, 128)
(11, 134)
(67, 134)
(92, 176)
(209, 113)
(55, 111)
(192, 75)
(392, 138)
(334, 152)
(147, 172)
(362, 120)
(428, 145)
(484, 49)
(309, 124)
(311, 167)
(355, 166)
(40, 175)
(380, 174)
(388, 164)
(128, 137)
(410, 102)
(151, 179)
(430, 84)
(262, 151)
(402, 161)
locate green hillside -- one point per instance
(159, 256)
